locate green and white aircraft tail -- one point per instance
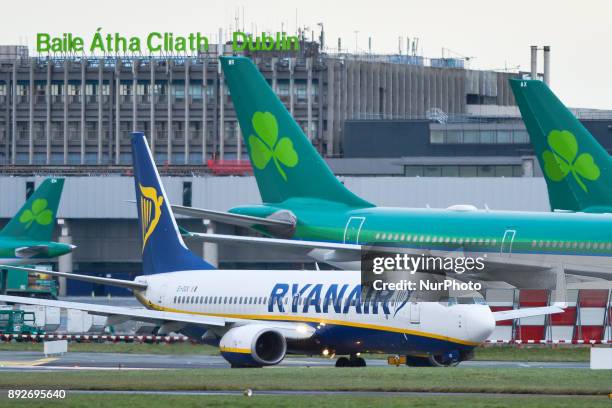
(26, 238)
(285, 163)
(36, 219)
(577, 169)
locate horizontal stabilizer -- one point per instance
(85, 278)
(275, 242)
(526, 312)
(229, 218)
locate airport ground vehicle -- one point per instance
(20, 283)
(18, 322)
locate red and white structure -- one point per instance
(586, 320)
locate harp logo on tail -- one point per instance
(150, 211)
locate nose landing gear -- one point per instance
(352, 361)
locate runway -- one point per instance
(19, 361)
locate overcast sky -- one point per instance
(496, 34)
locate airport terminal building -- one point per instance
(81, 110)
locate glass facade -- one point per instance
(478, 136)
(462, 170)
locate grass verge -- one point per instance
(489, 380)
(154, 401)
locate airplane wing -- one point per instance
(229, 218)
(85, 278)
(526, 312)
(171, 319)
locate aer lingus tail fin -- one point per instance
(285, 163)
(36, 219)
(577, 169)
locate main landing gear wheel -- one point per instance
(353, 361)
(357, 362)
(343, 362)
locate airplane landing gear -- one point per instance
(353, 361)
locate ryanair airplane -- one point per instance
(256, 317)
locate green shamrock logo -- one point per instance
(39, 213)
(564, 159)
(266, 146)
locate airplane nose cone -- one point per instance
(480, 323)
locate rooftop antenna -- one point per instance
(237, 19)
(322, 37)
(356, 39)
(399, 44)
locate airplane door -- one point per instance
(415, 312)
(507, 241)
(352, 230)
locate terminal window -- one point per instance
(463, 171)
(478, 136)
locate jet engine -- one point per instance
(253, 345)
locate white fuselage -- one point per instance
(326, 300)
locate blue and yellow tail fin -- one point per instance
(163, 249)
